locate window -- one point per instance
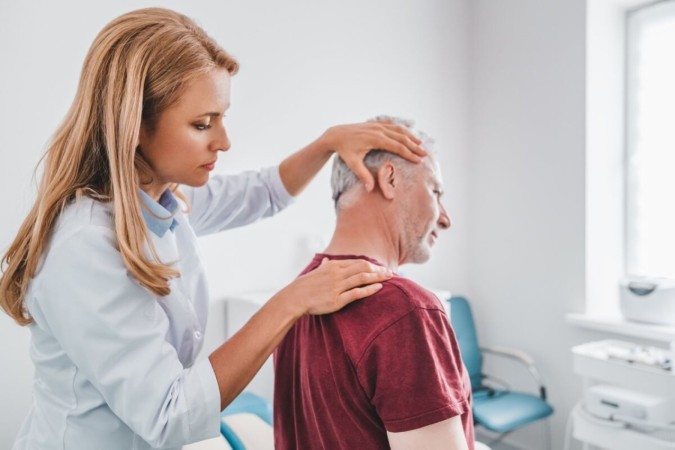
(630, 156)
(650, 141)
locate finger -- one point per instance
(400, 149)
(363, 279)
(409, 144)
(343, 263)
(345, 268)
(389, 119)
(356, 266)
(401, 130)
(402, 138)
(362, 173)
(358, 293)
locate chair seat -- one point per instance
(505, 411)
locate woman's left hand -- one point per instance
(352, 142)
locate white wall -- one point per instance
(305, 66)
(527, 140)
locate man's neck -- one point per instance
(370, 234)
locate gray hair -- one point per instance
(343, 179)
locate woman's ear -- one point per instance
(387, 179)
(142, 135)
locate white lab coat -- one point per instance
(114, 364)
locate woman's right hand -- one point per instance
(334, 284)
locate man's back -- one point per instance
(387, 363)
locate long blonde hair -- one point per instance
(136, 68)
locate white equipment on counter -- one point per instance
(624, 405)
(629, 396)
(649, 300)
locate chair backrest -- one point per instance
(246, 423)
(462, 322)
(248, 402)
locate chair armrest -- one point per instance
(522, 357)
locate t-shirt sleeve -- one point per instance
(412, 372)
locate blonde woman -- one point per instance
(105, 269)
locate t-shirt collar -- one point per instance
(159, 216)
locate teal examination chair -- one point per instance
(246, 424)
(497, 409)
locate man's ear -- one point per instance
(387, 179)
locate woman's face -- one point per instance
(184, 145)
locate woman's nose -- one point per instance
(222, 142)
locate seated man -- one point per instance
(386, 371)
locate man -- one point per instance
(385, 371)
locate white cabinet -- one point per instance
(598, 366)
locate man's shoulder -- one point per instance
(364, 320)
(401, 294)
(414, 294)
(398, 297)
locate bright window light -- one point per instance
(650, 156)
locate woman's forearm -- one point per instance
(301, 167)
(237, 361)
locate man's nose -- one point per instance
(444, 221)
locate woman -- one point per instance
(105, 269)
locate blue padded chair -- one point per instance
(498, 410)
(246, 402)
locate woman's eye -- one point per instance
(202, 126)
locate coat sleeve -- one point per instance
(230, 201)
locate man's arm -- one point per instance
(413, 375)
(445, 435)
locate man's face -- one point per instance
(422, 213)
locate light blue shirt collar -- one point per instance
(159, 216)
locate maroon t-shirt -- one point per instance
(389, 362)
